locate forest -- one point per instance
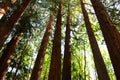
(59, 39)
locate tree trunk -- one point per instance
(85, 61)
(21, 57)
(99, 63)
(36, 72)
(55, 65)
(66, 72)
(7, 27)
(8, 55)
(110, 33)
(5, 5)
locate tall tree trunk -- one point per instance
(85, 61)
(110, 33)
(55, 65)
(21, 56)
(36, 72)
(5, 5)
(8, 55)
(99, 63)
(66, 72)
(7, 27)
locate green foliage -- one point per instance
(113, 7)
(35, 20)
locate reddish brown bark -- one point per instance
(5, 6)
(99, 63)
(36, 72)
(55, 65)
(110, 33)
(8, 55)
(7, 27)
(66, 72)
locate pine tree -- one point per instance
(36, 72)
(110, 33)
(55, 65)
(8, 55)
(7, 27)
(66, 72)
(99, 63)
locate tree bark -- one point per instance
(36, 72)
(99, 63)
(66, 72)
(7, 27)
(8, 55)
(110, 33)
(55, 65)
(4, 6)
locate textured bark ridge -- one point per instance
(99, 63)
(110, 33)
(8, 55)
(66, 72)
(7, 27)
(55, 66)
(36, 73)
